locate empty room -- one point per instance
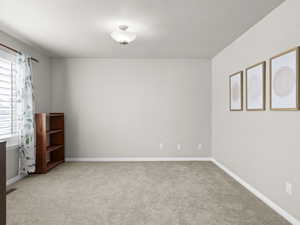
(138, 112)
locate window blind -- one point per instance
(7, 98)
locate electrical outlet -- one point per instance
(288, 188)
(161, 145)
(200, 146)
(178, 146)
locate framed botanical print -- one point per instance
(284, 81)
(256, 87)
(236, 91)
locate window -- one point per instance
(8, 122)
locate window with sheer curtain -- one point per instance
(8, 120)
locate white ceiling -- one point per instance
(165, 28)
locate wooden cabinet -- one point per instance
(2, 183)
(50, 141)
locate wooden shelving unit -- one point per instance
(50, 141)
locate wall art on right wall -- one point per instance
(256, 87)
(284, 81)
(236, 91)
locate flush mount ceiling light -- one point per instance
(122, 35)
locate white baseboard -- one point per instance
(138, 159)
(259, 195)
(14, 179)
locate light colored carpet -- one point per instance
(138, 193)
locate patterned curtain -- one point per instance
(25, 121)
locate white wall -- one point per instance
(42, 85)
(261, 147)
(125, 108)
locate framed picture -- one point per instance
(284, 81)
(236, 91)
(256, 87)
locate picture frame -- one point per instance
(256, 87)
(284, 81)
(236, 91)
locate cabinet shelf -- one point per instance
(51, 165)
(55, 114)
(54, 131)
(54, 147)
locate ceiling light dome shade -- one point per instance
(123, 36)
